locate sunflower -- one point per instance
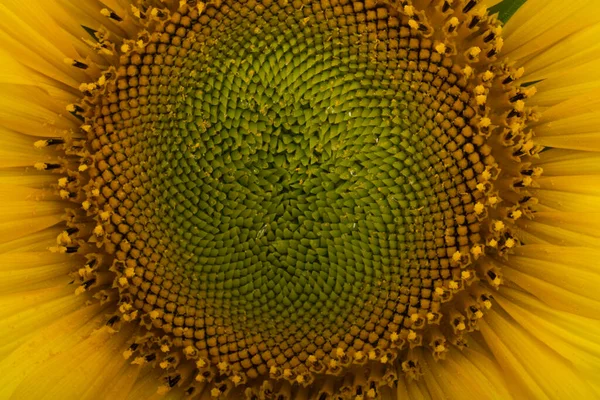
(300, 199)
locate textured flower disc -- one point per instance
(286, 190)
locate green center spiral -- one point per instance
(290, 186)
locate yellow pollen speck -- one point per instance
(340, 352)
(127, 354)
(139, 361)
(200, 363)
(412, 335)
(123, 281)
(164, 348)
(516, 214)
(394, 336)
(154, 314)
(64, 194)
(359, 355)
(79, 290)
(478, 314)
(140, 44)
(498, 225)
(105, 12)
(487, 304)
(40, 166)
(215, 392)
(129, 272)
(440, 48)
(58, 249)
(519, 105)
(486, 174)
(371, 393)
(409, 10)
(105, 215)
(273, 370)
(372, 355)
(461, 326)
(485, 122)
(154, 12)
(201, 7)
(481, 99)
(236, 379)
(439, 348)
(510, 242)
(430, 316)
(82, 168)
(414, 317)
(479, 89)
(384, 359)
(333, 363)
(311, 359)
(496, 282)
(98, 230)
(478, 208)
(62, 182)
(477, 251)
(453, 285)
(125, 48)
(200, 378)
(465, 275)
(70, 108)
(86, 205)
(474, 51)
(493, 200)
(164, 364)
(456, 256)
(468, 71)
(223, 366)
(189, 350)
(493, 243)
(413, 24)
(439, 290)
(39, 144)
(300, 378)
(488, 76)
(288, 372)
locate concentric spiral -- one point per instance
(288, 189)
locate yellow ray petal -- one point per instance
(562, 277)
(565, 201)
(21, 218)
(539, 24)
(529, 363)
(566, 83)
(38, 241)
(572, 51)
(460, 377)
(560, 162)
(563, 228)
(22, 271)
(574, 337)
(60, 336)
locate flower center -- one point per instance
(287, 188)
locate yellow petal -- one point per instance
(559, 162)
(529, 364)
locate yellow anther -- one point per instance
(453, 285)
(62, 182)
(461, 326)
(394, 336)
(82, 168)
(519, 105)
(333, 363)
(359, 355)
(487, 304)
(98, 230)
(273, 370)
(312, 359)
(409, 10)
(106, 12)
(165, 349)
(384, 359)
(223, 366)
(439, 290)
(40, 166)
(340, 352)
(439, 348)
(127, 354)
(200, 363)
(154, 315)
(288, 372)
(485, 122)
(123, 282)
(300, 378)
(481, 99)
(412, 335)
(64, 194)
(236, 379)
(440, 48)
(79, 290)
(478, 208)
(516, 214)
(465, 275)
(215, 392)
(140, 44)
(200, 378)
(105, 215)
(492, 200)
(477, 251)
(456, 256)
(86, 205)
(477, 314)
(39, 144)
(479, 89)
(493, 243)
(189, 350)
(510, 243)
(498, 226)
(164, 364)
(371, 393)
(413, 24)
(488, 76)
(474, 51)
(201, 7)
(70, 108)
(467, 71)
(125, 48)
